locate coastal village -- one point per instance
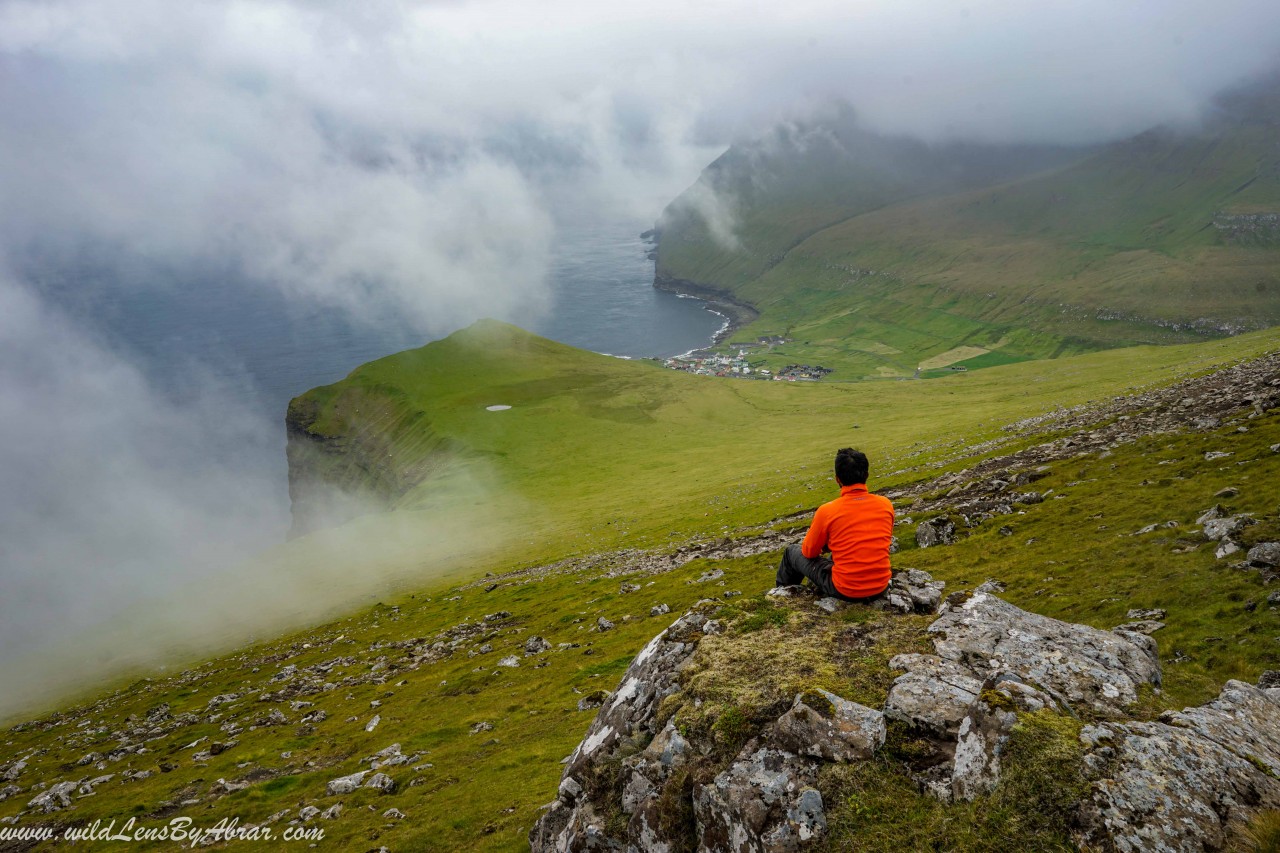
(737, 366)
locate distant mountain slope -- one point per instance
(763, 197)
(1164, 237)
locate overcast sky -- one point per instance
(419, 157)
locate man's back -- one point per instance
(858, 528)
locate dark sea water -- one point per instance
(268, 349)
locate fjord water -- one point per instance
(267, 349)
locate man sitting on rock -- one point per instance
(857, 528)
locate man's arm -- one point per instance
(815, 541)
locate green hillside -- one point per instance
(1166, 237)
(600, 458)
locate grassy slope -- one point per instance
(1097, 254)
(754, 451)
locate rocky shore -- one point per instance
(736, 313)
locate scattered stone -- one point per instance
(55, 798)
(1215, 454)
(832, 605)
(935, 531)
(9, 791)
(482, 726)
(1225, 527)
(823, 725)
(494, 617)
(709, 575)
(381, 782)
(1228, 492)
(345, 784)
(332, 812)
(628, 587)
(393, 814)
(603, 624)
(1140, 626)
(1005, 531)
(593, 700)
(510, 661)
(373, 723)
(307, 813)
(659, 610)
(1265, 554)
(536, 646)
(990, 585)
(1151, 528)
(731, 593)
(1269, 680)
(1155, 613)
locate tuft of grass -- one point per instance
(1263, 832)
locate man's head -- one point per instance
(851, 466)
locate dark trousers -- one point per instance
(795, 567)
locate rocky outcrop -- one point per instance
(1100, 671)
(764, 799)
(1188, 781)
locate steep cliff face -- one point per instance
(351, 452)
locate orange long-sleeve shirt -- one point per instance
(857, 527)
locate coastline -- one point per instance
(736, 314)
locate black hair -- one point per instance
(852, 466)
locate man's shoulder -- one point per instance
(882, 500)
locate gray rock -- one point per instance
(763, 802)
(984, 733)
(536, 646)
(1226, 527)
(934, 695)
(625, 588)
(831, 605)
(1100, 670)
(628, 717)
(14, 770)
(382, 783)
(1265, 554)
(824, 725)
(935, 531)
(1216, 454)
(1190, 782)
(603, 624)
(1141, 626)
(495, 617)
(918, 587)
(1154, 613)
(593, 700)
(709, 575)
(1270, 679)
(510, 661)
(9, 791)
(1214, 512)
(990, 585)
(345, 784)
(55, 798)
(86, 788)
(659, 610)
(306, 813)
(1225, 549)
(393, 814)
(332, 812)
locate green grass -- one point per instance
(710, 458)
